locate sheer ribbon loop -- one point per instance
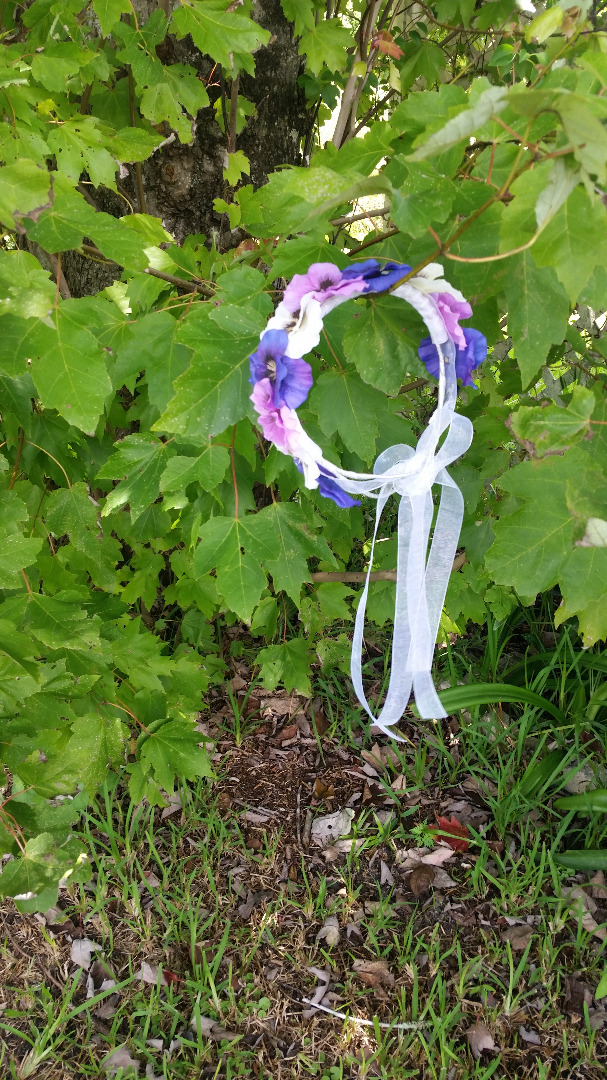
(426, 541)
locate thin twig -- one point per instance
(407, 1025)
(358, 577)
(181, 283)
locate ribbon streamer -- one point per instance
(426, 543)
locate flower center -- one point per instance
(271, 368)
(326, 284)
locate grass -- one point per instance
(224, 901)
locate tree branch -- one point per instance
(358, 577)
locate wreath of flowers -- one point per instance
(281, 383)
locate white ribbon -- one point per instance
(423, 570)
(423, 565)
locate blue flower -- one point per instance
(331, 490)
(290, 379)
(377, 277)
(466, 359)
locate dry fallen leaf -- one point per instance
(438, 856)
(528, 1035)
(480, 1039)
(81, 952)
(288, 733)
(599, 892)
(386, 877)
(577, 994)
(330, 931)
(149, 974)
(442, 880)
(322, 790)
(518, 936)
(373, 972)
(119, 1058)
(328, 827)
(452, 832)
(421, 879)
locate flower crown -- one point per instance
(282, 380)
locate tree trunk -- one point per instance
(180, 182)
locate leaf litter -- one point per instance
(271, 792)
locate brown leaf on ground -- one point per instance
(330, 931)
(528, 1035)
(329, 827)
(452, 832)
(373, 972)
(518, 936)
(598, 890)
(373, 757)
(442, 880)
(252, 901)
(288, 733)
(322, 790)
(206, 1028)
(81, 952)
(119, 1058)
(399, 784)
(577, 994)
(319, 721)
(421, 879)
(480, 1039)
(438, 856)
(149, 974)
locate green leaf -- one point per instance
(215, 391)
(601, 990)
(27, 292)
(344, 404)
(544, 25)
(71, 511)
(230, 38)
(139, 463)
(238, 165)
(288, 664)
(153, 347)
(575, 241)
(583, 584)
(108, 12)
(584, 131)
(24, 187)
(589, 802)
(325, 44)
(16, 552)
(289, 567)
(166, 97)
(299, 12)
(424, 196)
(60, 624)
(236, 547)
(376, 344)
(460, 127)
(586, 859)
(70, 374)
(206, 468)
(465, 697)
(172, 752)
(138, 653)
(531, 292)
(41, 865)
(532, 543)
(97, 743)
(551, 429)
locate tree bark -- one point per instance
(181, 182)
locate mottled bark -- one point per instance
(181, 182)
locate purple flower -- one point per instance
(271, 419)
(331, 490)
(290, 379)
(466, 359)
(377, 277)
(452, 310)
(323, 280)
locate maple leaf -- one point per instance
(386, 44)
(452, 832)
